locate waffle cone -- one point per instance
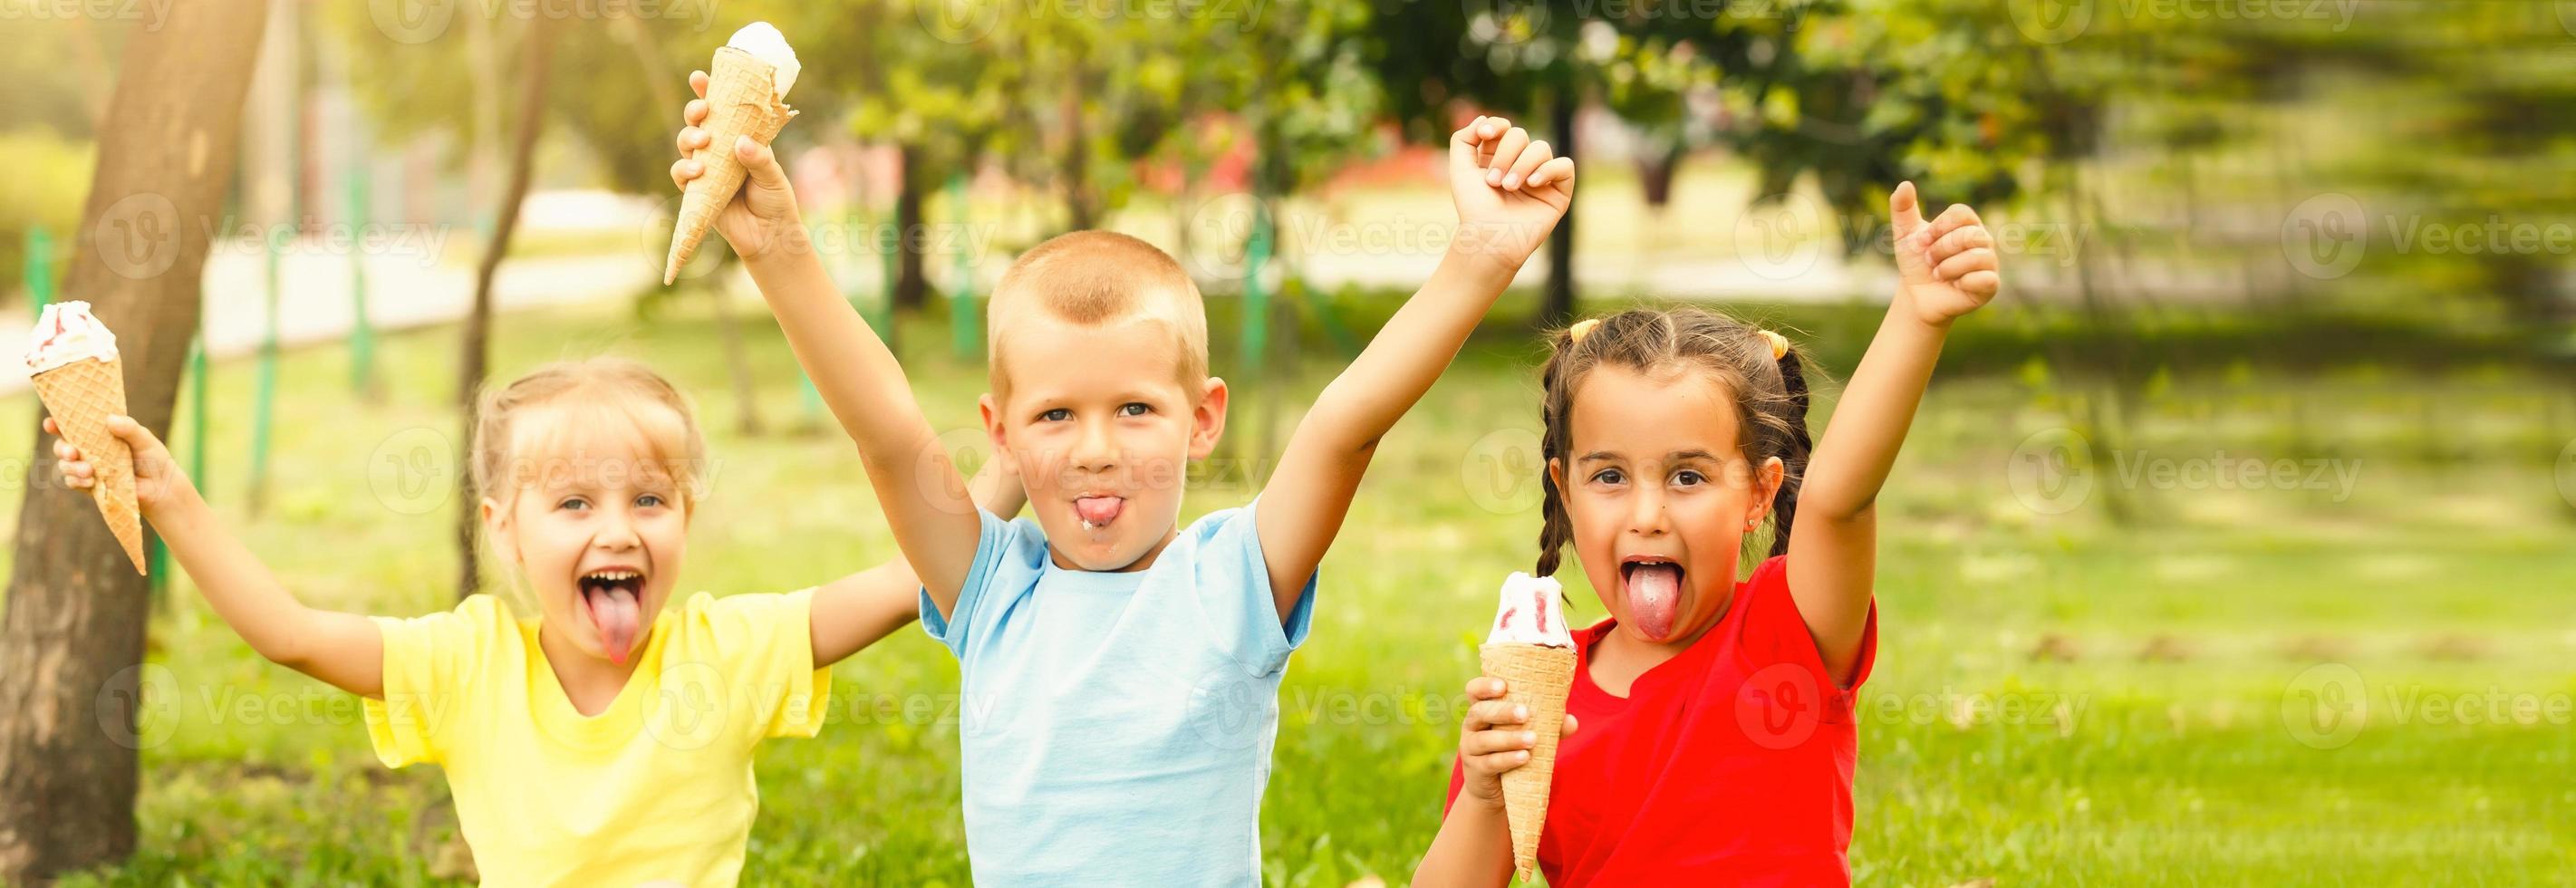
(1536, 676)
(82, 395)
(742, 100)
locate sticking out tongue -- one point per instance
(1654, 598)
(1098, 510)
(614, 611)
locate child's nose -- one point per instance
(1096, 450)
(1648, 514)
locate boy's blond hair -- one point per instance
(1093, 277)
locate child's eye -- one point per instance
(573, 503)
(649, 501)
(1689, 477)
(1134, 408)
(1608, 476)
(1056, 415)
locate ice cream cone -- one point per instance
(1536, 676)
(82, 395)
(742, 100)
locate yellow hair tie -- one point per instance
(1582, 328)
(1779, 343)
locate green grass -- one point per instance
(2441, 572)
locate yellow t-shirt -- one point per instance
(657, 788)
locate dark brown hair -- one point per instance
(1770, 397)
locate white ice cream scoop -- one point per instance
(763, 41)
(67, 332)
(1532, 612)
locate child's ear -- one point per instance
(1766, 486)
(1556, 473)
(992, 413)
(1208, 421)
(496, 526)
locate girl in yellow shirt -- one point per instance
(607, 741)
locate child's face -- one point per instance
(598, 528)
(1102, 429)
(1660, 497)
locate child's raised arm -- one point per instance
(344, 650)
(1947, 269)
(924, 497)
(855, 611)
(1510, 191)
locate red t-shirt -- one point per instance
(1730, 764)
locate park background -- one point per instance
(2232, 544)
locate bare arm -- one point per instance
(1499, 225)
(1474, 847)
(924, 497)
(1948, 269)
(855, 611)
(343, 650)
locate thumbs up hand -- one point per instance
(1946, 267)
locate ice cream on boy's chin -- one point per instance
(67, 332)
(1532, 612)
(763, 41)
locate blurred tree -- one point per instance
(535, 46)
(71, 639)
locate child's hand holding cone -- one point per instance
(157, 480)
(757, 217)
(1496, 739)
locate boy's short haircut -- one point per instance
(1094, 277)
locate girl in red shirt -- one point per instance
(1716, 739)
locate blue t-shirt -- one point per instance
(1117, 726)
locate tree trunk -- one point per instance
(478, 323)
(911, 286)
(746, 397)
(1559, 307)
(72, 635)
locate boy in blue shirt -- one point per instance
(1122, 671)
